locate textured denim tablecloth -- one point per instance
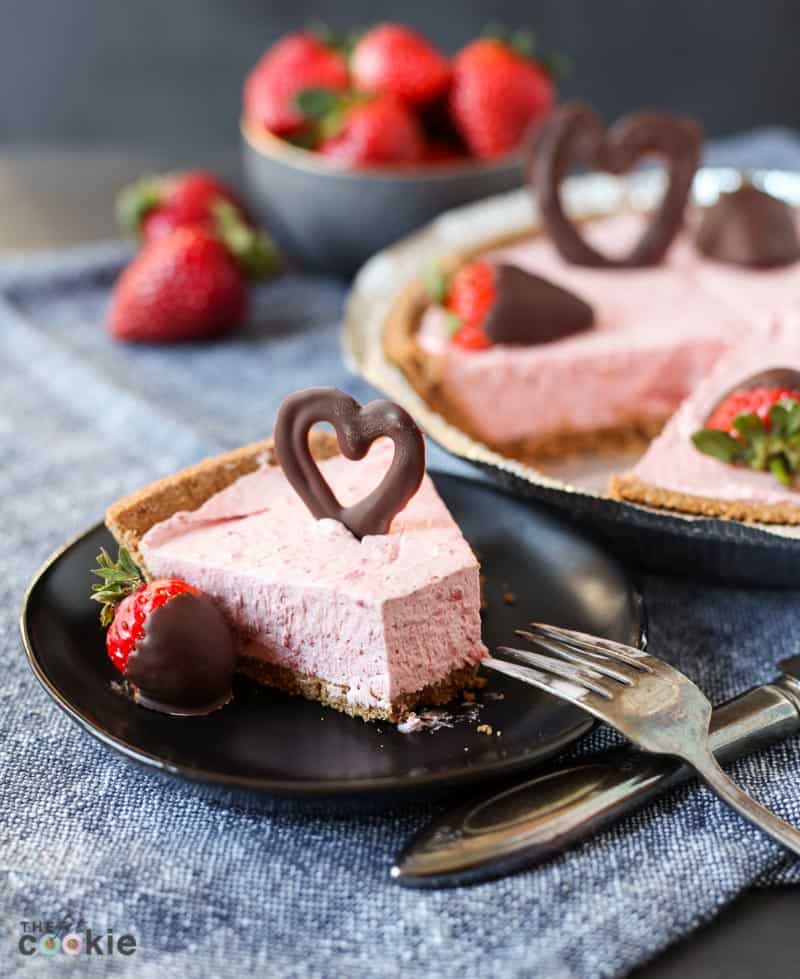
(210, 890)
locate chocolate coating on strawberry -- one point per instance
(169, 640)
(356, 428)
(751, 228)
(529, 310)
(574, 134)
(185, 660)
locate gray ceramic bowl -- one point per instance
(333, 219)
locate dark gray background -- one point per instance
(168, 73)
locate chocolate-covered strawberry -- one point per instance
(167, 638)
(758, 428)
(488, 303)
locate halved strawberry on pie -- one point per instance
(733, 448)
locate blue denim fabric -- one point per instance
(215, 890)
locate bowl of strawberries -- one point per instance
(349, 145)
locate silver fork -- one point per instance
(654, 705)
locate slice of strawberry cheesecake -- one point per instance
(372, 622)
(733, 448)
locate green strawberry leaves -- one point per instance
(718, 444)
(317, 103)
(452, 322)
(525, 43)
(326, 111)
(436, 282)
(135, 202)
(343, 43)
(773, 448)
(254, 250)
(119, 579)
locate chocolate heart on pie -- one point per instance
(356, 429)
(574, 133)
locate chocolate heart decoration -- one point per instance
(356, 429)
(574, 133)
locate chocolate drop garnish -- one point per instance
(751, 228)
(356, 429)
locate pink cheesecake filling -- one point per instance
(673, 463)
(763, 295)
(658, 331)
(380, 617)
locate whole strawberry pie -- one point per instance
(583, 337)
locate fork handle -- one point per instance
(723, 786)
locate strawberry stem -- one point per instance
(779, 470)
(120, 578)
(436, 282)
(135, 201)
(254, 250)
(772, 446)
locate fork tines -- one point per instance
(594, 645)
(576, 666)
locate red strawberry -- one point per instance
(184, 287)
(168, 639)
(496, 95)
(127, 601)
(132, 613)
(376, 131)
(153, 207)
(757, 401)
(470, 297)
(296, 62)
(394, 60)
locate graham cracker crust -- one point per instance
(129, 519)
(634, 490)
(422, 371)
(333, 695)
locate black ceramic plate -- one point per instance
(286, 746)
